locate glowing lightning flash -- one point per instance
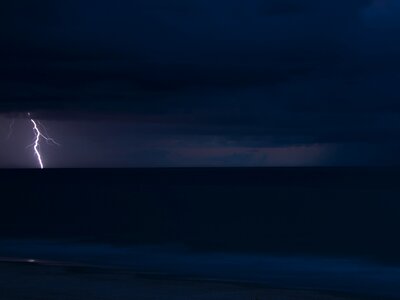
(10, 129)
(37, 140)
(38, 136)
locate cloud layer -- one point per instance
(248, 73)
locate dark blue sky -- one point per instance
(197, 83)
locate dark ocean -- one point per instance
(322, 228)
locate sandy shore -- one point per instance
(33, 281)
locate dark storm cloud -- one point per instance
(155, 46)
(277, 72)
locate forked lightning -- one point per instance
(38, 137)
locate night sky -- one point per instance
(145, 83)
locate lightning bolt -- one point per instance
(36, 144)
(10, 129)
(38, 137)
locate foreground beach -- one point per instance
(33, 281)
